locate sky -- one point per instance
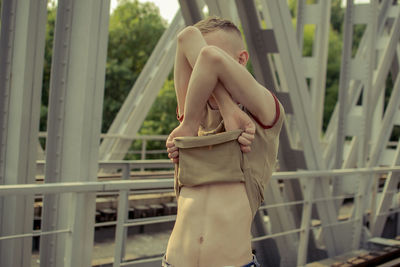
(167, 8)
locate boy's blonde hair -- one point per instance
(214, 23)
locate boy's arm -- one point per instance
(182, 72)
(185, 59)
(213, 65)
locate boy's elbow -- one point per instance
(187, 33)
(211, 54)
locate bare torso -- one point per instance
(212, 227)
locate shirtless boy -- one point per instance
(214, 220)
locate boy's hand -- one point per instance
(240, 120)
(184, 129)
(173, 152)
(245, 139)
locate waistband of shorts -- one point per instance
(253, 263)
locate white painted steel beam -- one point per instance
(385, 11)
(74, 121)
(359, 69)
(281, 220)
(388, 121)
(260, 42)
(289, 55)
(122, 216)
(317, 14)
(379, 149)
(349, 112)
(224, 9)
(385, 203)
(21, 66)
(190, 11)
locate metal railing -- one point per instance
(145, 139)
(125, 187)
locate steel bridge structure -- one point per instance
(318, 169)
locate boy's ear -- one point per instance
(243, 57)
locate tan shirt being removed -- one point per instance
(215, 156)
(220, 193)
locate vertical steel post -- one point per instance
(364, 135)
(344, 82)
(306, 221)
(74, 120)
(121, 230)
(21, 64)
(143, 152)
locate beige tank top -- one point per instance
(214, 155)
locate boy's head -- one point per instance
(224, 34)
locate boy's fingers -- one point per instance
(251, 129)
(175, 160)
(243, 141)
(245, 149)
(247, 136)
(173, 155)
(169, 143)
(172, 149)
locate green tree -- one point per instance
(48, 52)
(337, 15)
(161, 119)
(133, 32)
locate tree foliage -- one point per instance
(48, 53)
(133, 33)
